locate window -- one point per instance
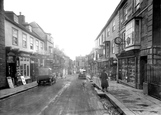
(102, 39)
(41, 45)
(129, 36)
(113, 26)
(137, 4)
(108, 32)
(50, 50)
(123, 38)
(113, 46)
(14, 36)
(24, 40)
(37, 45)
(25, 67)
(31, 43)
(125, 13)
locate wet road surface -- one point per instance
(69, 96)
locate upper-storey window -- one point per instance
(137, 4)
(31, 43)
(113, 26)
(14, 36)
(24, 40)
(108, 32)
(37, 45)
(41, 45)
(101, 38)
(113, 46)
(125, 13)
(50, 50)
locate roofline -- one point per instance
(39, 27)
(112, 16)
(22, 27)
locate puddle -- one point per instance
(143, 105)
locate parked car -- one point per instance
(82, 74)
(45, 76)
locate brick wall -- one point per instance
(3, 82)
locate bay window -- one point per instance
(132, 34)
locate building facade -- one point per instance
(105, 46)
(138, 44)
(24, 50)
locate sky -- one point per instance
(74, 24)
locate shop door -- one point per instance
(143, 70)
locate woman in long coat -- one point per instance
(104, 80)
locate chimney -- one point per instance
(21, 19)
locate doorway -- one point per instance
(143, 70)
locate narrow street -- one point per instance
(69, 96)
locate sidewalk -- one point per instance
(11, 91)
(131, 100)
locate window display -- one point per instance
(127, 69)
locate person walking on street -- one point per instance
(104, 80)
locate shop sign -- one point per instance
(118, 40)
(10, 83)
(25, 55)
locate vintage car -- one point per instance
(45, 76)
(82, 74)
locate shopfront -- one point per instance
(18, 67)
(127, 68)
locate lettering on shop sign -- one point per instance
(25, 55)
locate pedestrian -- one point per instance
(104, 80)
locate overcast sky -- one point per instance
(74, 24)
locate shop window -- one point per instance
(127, 70)
(27, 70)
(21, 67)
(24, 41)
(25, 67)
(14, 36)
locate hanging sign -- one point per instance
(10, 82)
(118, 40)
